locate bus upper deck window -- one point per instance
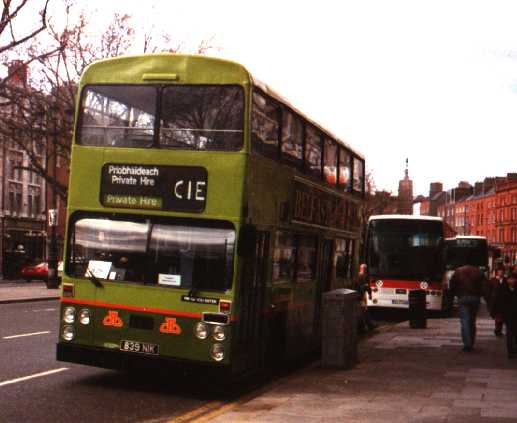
(292, 138)
(345, 171)
(313, 151)
(265, 125)
(118, 116)
(330, 161)
(358, 173)
(202, 117)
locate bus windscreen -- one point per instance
(463, 251)
(156, 253)
(405, 249)
(199, 117)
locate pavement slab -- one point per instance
(22, 291)
(403, 375)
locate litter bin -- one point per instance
(340, 311)
(417, 309)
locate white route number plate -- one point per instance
(139, 347)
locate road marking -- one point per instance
(26, 334)
(218, 412)
(22, 379)
(196, 412)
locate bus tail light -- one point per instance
(201, 330)
(69, 315)
(84, 316)
(225, 306)
(219, 333)
(217, 352)
(68, 333)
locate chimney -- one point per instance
(435, 188)
(489, 183)
(17, 72)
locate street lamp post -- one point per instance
(52, 215)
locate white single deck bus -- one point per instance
(404, 253)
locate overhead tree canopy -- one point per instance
(38, 97)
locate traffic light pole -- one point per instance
(52, 279)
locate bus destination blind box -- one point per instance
(178, 188)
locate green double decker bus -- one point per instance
(206, 216)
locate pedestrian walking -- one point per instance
(506, 305)
(362, 286)
(469, 284)
(494, 286)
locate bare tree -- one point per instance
(14, 32)
(39, 108)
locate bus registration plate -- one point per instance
(399, 301)
(139, 347)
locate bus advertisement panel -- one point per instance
(405, 253)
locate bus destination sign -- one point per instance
(178, 188)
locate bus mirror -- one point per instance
(247, 240)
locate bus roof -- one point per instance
(404, 217)
(136, 62)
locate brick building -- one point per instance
(506, 217)
(488, 209)
(25, 196)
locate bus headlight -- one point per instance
(217, 352)
(68, 333)
(84, 316)
(219, 333)
(201, 330)
(69, 315)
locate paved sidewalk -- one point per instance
(404, 375)
(20, 291)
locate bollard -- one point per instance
(417, 309)
(340, 311)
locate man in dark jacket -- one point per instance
(494, 285)
(506, 304)
(469, 284)
(362, 286)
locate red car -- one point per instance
(38, 271)
(35, 271)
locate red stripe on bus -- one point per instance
(392, 283)
(134, 308)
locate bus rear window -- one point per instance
(168, 255)
(118, 116)
(202, 117)
(199, 117)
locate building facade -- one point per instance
(488, 209)
(23, 193)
